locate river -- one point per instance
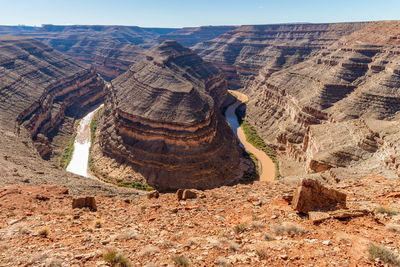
(265, 164)
(80, 157)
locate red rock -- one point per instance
(153, 194)
(179, 194)
(84, 202)
(189, 194)
(312, 196)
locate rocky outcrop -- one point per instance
(39, 87)
(312, 196)
(163, 118)
(243, 51)
(351, 79)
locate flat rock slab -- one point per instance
(319, 216)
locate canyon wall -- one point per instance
(325, 111)
(191, 36)
(163, 119)
(243, 51)
(42, 92)
(39, 87)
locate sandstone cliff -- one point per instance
(42, 92)
(163, 118)
(322, 111)
(39, 87)
(242, 52)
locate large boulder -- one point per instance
(84, 202)
(312, 196)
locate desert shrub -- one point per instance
(98, 223)
(289, 229)
(269, 237)
(383, 254)
(387, 211)
(240, 228)
(44, 232)
(393, 228)
(116, 259)
(262, 253)
(234, 246)
(222, 261)
(136, 185)
(181, 261)
(66, 155)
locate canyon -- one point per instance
(334, 110)
(323, 97)
(42, 93)
(163, 118)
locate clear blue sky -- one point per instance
(179, 13)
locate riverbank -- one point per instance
(267, 167)
(81, 147)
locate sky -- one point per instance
(185, 13)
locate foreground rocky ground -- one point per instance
(243, 225)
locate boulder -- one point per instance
(184, 194)
(189, 194)
(179, 194)
(84, 202)
(312, 196)
(153, 194)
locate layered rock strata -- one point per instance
(191, 36)
(110, 49)
(243, 51)
(163, 118)
(39, 87)
(322, 111)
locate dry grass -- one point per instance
(395, 228)
(288, 229)
(240, 228)
(181, 261)
(44, 232)
(269, 237)
(386, 210)
(262, 253)
(383, 254)
(116, 259)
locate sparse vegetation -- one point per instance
(44, 232)
(222, 262)
(253, 138)
(234, 246)
(262, 253)
(240, 228)
(136, 185)
(257, 225)
(67, 153)
(269, 237)
(288, 229)
(98, 223)
(181, 261)
(393, 228)
(116, 259)
(386, 210)
(383, 254)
